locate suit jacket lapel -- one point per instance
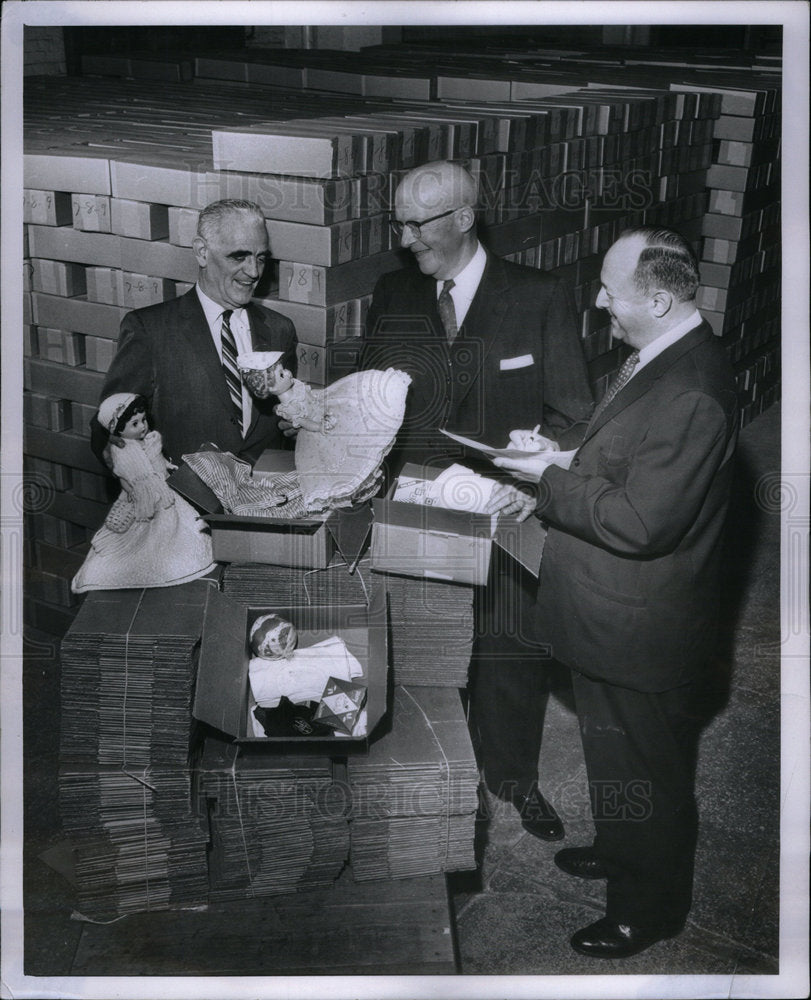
(486, 313)
(194, 327)
(650, 374)
(428, 304)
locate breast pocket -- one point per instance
(614, 459)
(518, 364)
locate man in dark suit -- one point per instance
(483, 340)
(630, 584)
(172, 353)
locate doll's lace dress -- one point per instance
(152, 537)
(343, 465)
(334, 468)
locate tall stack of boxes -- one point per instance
(740, 261)
(563, 170)
(117, 170)
(565, 159)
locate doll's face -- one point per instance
(279, 379)
(135, 428)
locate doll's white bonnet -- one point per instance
(258, 361)
(112, 408)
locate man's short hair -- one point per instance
(667, 261)
(212, 215)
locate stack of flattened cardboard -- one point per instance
(278, 824)
(258, 584)
(414, 796)
(432, 631)
(124, 782)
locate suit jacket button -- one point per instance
(576, 461)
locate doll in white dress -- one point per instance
(265, 375)
(151, 537)
(346, 428)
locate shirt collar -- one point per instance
(214, 310)
(467, 280)
(656, 347)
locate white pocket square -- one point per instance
(509, 364)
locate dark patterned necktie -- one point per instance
(229, 364)
(447, 313)
(620, 379)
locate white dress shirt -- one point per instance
(241, 330)
(652, 350)
(466, 284)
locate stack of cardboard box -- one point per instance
(570, 148)
(126, 734)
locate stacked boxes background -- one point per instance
(117, 168)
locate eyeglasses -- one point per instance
(415, 228)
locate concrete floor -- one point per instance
(515, 914)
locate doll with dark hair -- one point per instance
(151, 537)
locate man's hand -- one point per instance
(285, 426)
(531, 440)
(533, 467)
(107, 455)
(507, 500)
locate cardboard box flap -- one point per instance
(376, 699)
(274, 460)
(220, 693)
(293, 526)
(350, 528)
(439, 520)
(523, 540)
(190, 486)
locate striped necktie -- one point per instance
(447, 313)
(619, 380)
(229, 364)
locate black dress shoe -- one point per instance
(608, 939)
(580, 861)
(537, 815)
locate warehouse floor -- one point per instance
(515, 914)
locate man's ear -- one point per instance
(200, 248)
(466, 218)
(661, 303)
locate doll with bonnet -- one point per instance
(265, 375)
(346, 428)
(151, 537)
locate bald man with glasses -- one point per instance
(490, 346)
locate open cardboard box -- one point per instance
(414, 540)
(305, 543)
(222, 693)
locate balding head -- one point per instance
(435, 187)
(649, 279)
(439, 200)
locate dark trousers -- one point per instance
(640, 751)
(508, 680)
